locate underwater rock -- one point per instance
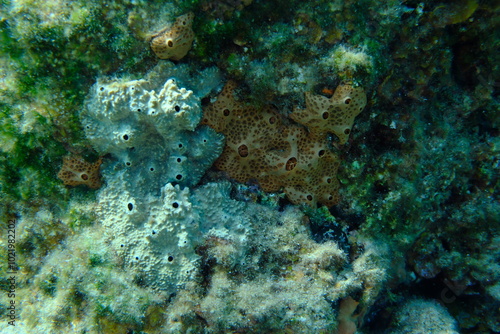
(279, 278)
(223, 9)
(424, 316)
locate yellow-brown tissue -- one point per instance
(76, 171)
(176, 40)
(336, 114)
(261, 146)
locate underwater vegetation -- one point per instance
(250, 166)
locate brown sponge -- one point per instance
(335, 114)
(262, 146)
(175, 41)
(75, 171)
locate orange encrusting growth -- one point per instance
(75, 171)
(261, 147)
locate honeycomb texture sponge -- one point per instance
(149, 129)
(76, 171)
(175, 41)
(336, 114)
(262, 146)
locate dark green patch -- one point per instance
(95, 260)
(49, 286)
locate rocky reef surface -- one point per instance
(141, 196)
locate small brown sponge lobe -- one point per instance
(176, 40)
(335, 115)
(261, 146)
(75, 171)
